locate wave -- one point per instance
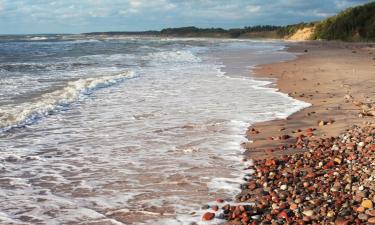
(37, 38)
(68, 62)
(28, 113)
(79, 41)
(105, 58)
(16, 67)
(173, 56)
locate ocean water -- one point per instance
(122, 130)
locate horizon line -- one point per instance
(139, 31)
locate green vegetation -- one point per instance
(194, 32)
(254, 30)
(261, 31)
(353, 24)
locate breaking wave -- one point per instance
(181, 56)
(47, 103)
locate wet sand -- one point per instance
(325, 74)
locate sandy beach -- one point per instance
(325, 76)
(316, 166)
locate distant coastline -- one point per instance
(266, 31)
(355, 24)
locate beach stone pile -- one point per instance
(330, 181)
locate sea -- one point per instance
(128, 130)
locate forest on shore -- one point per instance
(352, 24)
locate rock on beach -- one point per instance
(331, 181)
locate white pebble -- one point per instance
(283, 187)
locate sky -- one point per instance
(78, 16)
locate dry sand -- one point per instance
(323, 74)
(302, 34)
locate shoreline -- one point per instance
(337, 79)
(331, 63)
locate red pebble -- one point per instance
(245, 220)
(329, 165)
(309, 130)
(284, 215)
(219, 200)
(270, 162)
(208, 216)
(341, 221)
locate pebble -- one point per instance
(370, 212)
(328, 183)
(367, 204)
(309, 130)
(322, 123)
(371, 220)
(215, 208)
(208, 216)
(293, 206)
(337, 160)
(363, 217)
(330, 214)
(360, 209)
(219, 200)
(205, 207)
(255, 217)
(341, 221)
(308, 213)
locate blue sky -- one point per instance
(77, 16)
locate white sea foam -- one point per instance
(179, 56)
(26, 113)
(38, 38)
(156, 148)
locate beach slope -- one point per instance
(316, 166)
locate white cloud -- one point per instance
(210, 10)
(140, 6)
(169, 6)
(1, 6)
(136, 3)
(147, 4)
(253, 8)
(156, 14)
(127, 12)
(321, 14)
(342, 4)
